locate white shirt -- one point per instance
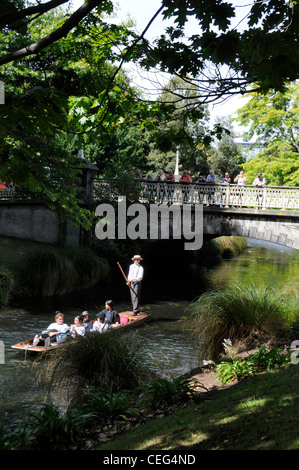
(211, 178)
(61, 328)
(99, 326)
(258, 182)
(79, 330)
(135, 272)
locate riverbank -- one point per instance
(258, 413)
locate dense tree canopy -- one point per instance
(65, 87)
(264, 52)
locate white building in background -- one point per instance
(251, 147)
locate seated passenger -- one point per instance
(77, 329)
(100, 325)
(86, 322)
(56, 332)
(109, 314)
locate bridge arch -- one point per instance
(281, 227)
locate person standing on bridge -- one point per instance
(240, 180)
(211, 179)
(259, 182)
(135, 277)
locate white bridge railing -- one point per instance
(269, 197)
(231, 195)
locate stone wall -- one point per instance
(29, 221)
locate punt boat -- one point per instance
(127, 320)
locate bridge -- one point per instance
(269, 213)
(223, 196)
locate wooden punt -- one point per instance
(127, 320)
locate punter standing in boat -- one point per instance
(135, 277)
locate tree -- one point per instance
(227, 155)
(39, 143)
(65, 76)
(187, 126)
(265, 53)
(274, 119)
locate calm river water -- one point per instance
(173, 351)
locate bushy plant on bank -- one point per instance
(244, 313)
(57, 271)
(95, 361)
(263, 359)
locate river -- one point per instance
(173, 351)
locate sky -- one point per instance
(141, 11)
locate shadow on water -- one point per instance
(172, 280)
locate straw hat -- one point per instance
(137, 257)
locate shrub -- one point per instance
(263, 359)
(108, 403)
(165, 391)
(236, 370)
(268, 359)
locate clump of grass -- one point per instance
(213, 251)
(238, 312)
(230, 246)
(164, 391)
(96, 361)
(57, 271)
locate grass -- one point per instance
(238, 312)
(95, 361)
(42, 270)
(259, 413)
(213, 251)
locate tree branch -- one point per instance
(21, 14)
(59, 33)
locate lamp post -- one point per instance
(176, 172)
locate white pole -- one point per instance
(176, 172)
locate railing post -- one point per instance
(227, 195)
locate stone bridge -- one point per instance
(269, 214)
(276, 226)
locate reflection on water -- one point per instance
(173, 351)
